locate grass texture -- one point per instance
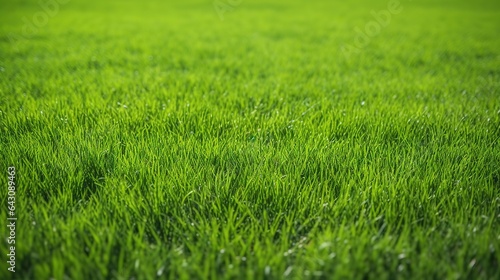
(166, 139)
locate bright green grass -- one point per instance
(157, 140)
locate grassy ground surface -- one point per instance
(174, 140)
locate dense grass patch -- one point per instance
(157, 140)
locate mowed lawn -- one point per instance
(251, 139)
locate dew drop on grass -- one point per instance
(288, 271)
(325, 245)
(160, 271)
(267, 270)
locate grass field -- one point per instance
(251, 139)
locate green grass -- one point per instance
(159, 141)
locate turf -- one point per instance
(169, 140)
